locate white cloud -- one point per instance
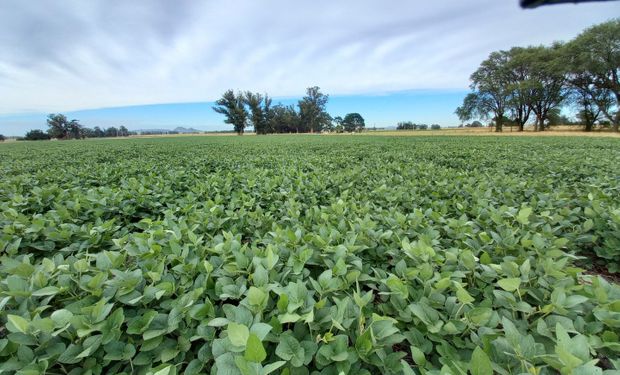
(68, 55)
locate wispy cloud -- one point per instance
(68, 55)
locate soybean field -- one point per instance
(310, 254)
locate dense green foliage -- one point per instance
(353, 122)
(36, 135)
(248, 108)
(298, 254)
(59, 127)
(533, 83)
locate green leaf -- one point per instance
(480, 363)
(238, 334)
(218, 322)
(510, 285)
(17, 324)
(268, 369)
(418, 356)
(290, 349)
(163, 371)
(523, 215)
(254, 350)
(256, 297)
(464, 296)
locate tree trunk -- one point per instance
(589, 126)
(541, 124)
(521, 126)
(498, 125)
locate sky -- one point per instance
(160, 64)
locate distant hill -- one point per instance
(181, 129)
(177, 130)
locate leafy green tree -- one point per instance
(336, 125)
(88, 132)
(98, 133)
(123, 132)
(475, 106)
(258, 116)
(284, 119)
(595, 68)
(548, 81)
(353, 122)
(312, 110)
(520, 85)
(111, 132)
(2, 138)
(233, 107)
(591, 100)
(435, 127)
(37, 135)
(267, 113)
(60, 127)
(406, 125)
(491, 89)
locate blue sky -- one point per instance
(420, 106)
(390, 61)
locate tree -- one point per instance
(435, 127)
(61, 128)
(353, 122)
(475, 106)
(98, 133)
(406, 125)
(111, 132)
(267, 113)
(548, 81)
(257, 113)
(283, 119)
(520, 85)
(37, 135)
(75, 130)
(233, 107)
(2, 138)
(595, 64)
(123, 132)
(590, 99)
(336, 125)
(491, 89)
(312, 111)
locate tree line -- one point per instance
(59, 127)
(526, 85)
(245, 108)
(408, 125)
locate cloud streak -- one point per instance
(70, 55)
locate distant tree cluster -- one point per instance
(2, 138)
(37, 135)
(112, 131)
(59, 127)
(243, 109)
(473, 124)
(408, 125)
(531, 84)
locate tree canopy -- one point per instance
(535, 82)
(353, 122)
(254, 109)
(312, 112)
(233, 107)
